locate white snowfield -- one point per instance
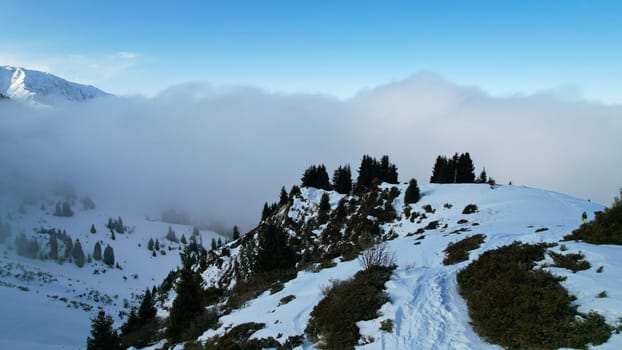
(47, 305)
(40, 88)
(425, 306)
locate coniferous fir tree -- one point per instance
(372, 172)
(147, 309)
(78, 254)
(53, 247)
(103, 336)
(93, 230)
(412, 194)
(458, 169)
(97, 251)
(188, 303)
(236, 233)
(316, 176)
(342, 179)
(324, 207)
(109, 256)
(274, 251)
(483, 177)
(150, 244)
(283, 197)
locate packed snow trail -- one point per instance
(428, 313)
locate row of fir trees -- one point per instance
(370, 172)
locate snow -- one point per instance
(47, 305)
(39, 88)
(425, 306)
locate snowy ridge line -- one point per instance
(40, 88)
(426, 309)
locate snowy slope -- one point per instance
(42, 88)
(47, 305)
(427, 311)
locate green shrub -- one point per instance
(387, 325)
(513, 305)
(145, 334)
(238, 338)
(571, 261)
(333, 320)
(605, 229)
(459, 251)
(428, 209)
(432, 225)
(470, 209)
(286, 299)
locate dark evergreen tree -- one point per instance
(274, 251)
(342, 179)
(93, 230)
(372, 172)
(170, 235)
(118, 226)
(183, 239)
(150, 244)
(236, 233)
(265, 213)
(156, 246)
(483, 177)
(316, 176)
(324, 207)
(412, 194)
(294, 191)
(67, 211)
(214, 245)
(78, 254)
(147, 309)
(68, 245)
(103, 336)
(97, 251)
(219, 242)
(458, 169)
(109, 256)
(340, 211)
(392, 176)
(283, 197)
(188, 303)
(112, 236)
(368, 171)
(59, 209)
(53, 246)
(465, 169)
(131, 323)
(110, 224)
(324, 203)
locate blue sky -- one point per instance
(503, 47)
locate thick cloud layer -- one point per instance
(220, 153)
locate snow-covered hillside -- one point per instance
(426, 309)
(47, 304)
(42, 88)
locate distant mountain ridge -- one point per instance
(42, 88)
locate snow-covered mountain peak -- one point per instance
(41, 88)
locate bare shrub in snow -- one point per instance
(377, 256)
